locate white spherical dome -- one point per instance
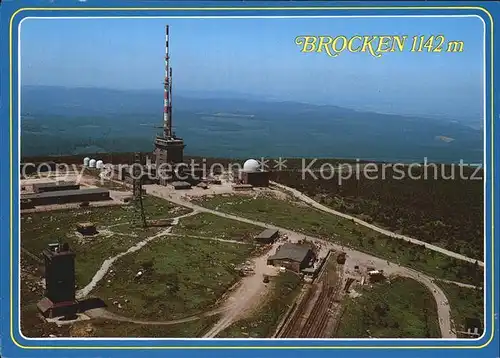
(92, 163)
(86, 161)
(251, 165)
(99, 164)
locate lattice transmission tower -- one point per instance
(137, 190)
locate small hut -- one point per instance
(86, 229)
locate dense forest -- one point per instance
(441, 211)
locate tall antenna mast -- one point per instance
(167, 104)
(170, 109)
(168, 147)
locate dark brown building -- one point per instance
(256, 179)
(267, 236)
(242, 187)
(293, 257)
(86, 228)
(32, 168)
(26, 204)
(59, 297)
(67, 196)
(181, 185)
(55, 186)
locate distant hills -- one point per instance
(58, 120)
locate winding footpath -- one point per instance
(443, 308)
(105, 314)
(106, 265)
(245, 297)
(301, 196)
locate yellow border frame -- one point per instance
(254, 9)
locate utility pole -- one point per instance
(137, 189)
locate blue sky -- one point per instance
(259, 57)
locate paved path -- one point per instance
(466, 285)
(209, 238)
(443, 308)
(105, 314)
(301, 196)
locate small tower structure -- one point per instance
(138, 190)
(59, 297)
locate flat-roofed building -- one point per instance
(86, 228)
(242, 187)
(294, 257)
(255, 179)
(67, 196)
(41, 167)
(267, 236)
(181, 185)
(27, 204)
(55, 186)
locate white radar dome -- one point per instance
(251, 165)
(92, 163)
(99, 164)
(86, 161)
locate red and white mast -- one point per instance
(167, 101)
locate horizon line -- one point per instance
(226, 94)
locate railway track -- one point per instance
(319, 307)
(293, 327)
(295, 321)
(325, 307)
(316, 320)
